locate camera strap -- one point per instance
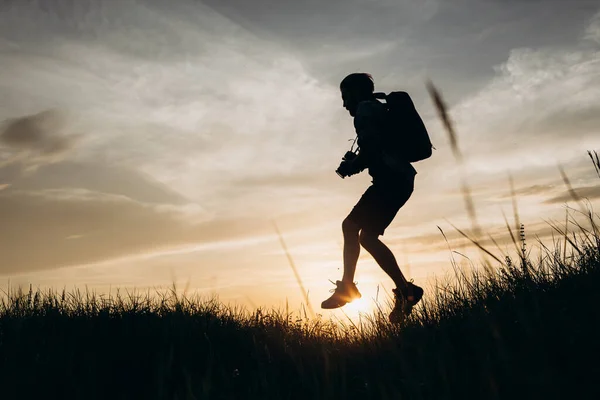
(353, 143)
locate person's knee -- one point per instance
(368, 239)
(350, 227)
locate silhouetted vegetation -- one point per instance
(526, 329)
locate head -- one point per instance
(355, 88)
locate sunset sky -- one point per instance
(149, 142)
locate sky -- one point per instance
(146, 143)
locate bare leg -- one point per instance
(384, 257)
(351, 249)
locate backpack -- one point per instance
(407, 135)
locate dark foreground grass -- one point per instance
(524, 331)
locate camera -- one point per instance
(344, 168)
(349, 156)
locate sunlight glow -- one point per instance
(360, 306)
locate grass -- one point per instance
(523, 330)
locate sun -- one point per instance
(359, 306)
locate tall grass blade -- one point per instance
(442, 110)
(296, 274)
(513, 196)
(570, 189)
(510, 232)
(476, 243)
(595, 160)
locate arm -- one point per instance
(368, 123)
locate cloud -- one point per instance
(177, 107)
(94, 177)
(70, 213)
(195, 128)
(178, 92)
(433, 241)
(542, 107)
(587, 192)
(592, 32)
(35, 139)
(534, 190)
(47, 229)
(331, 21)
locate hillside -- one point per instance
(519, 332)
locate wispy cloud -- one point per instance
(35, 140)
(190, 98)
(592, 32)
(587, 192)
(60, 227)
(541, 108)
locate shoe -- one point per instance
(403, 307)
(343, 294)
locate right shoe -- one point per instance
(343, 294)
(403, 306)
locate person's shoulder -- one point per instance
(369, 108)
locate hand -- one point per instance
(349, 156)
(346, 168)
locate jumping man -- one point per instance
(392, 185)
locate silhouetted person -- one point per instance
(392, 186)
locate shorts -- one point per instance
(378, 206)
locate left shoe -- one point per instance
(343, 293)
(403, 306)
